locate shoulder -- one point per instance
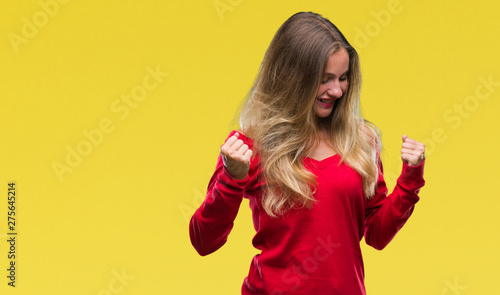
(370, 129)
(372, 133)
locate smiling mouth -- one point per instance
(326, 100)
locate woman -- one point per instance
(310, 166)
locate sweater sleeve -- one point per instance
(213, 220)
(386, 214)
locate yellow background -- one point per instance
(125, 207)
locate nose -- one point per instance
(334, 90)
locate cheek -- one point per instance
(321, 90)
(344, 86)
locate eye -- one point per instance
(343, 78)
(326, 81)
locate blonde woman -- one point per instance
(310, 166)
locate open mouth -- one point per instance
(326, 102)
(329, 101)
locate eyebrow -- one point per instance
(332, 74)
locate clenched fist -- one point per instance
(236, 157)
(413, 152)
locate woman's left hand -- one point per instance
(413, 152)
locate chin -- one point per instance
(323, 115)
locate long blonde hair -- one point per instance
(278, 114)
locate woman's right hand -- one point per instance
(236, 157)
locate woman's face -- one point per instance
(333, 84)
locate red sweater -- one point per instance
(307, 251)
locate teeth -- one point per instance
(325, 100)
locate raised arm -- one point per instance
(386, 214)
(213, 220)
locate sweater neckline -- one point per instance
(322, 163)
